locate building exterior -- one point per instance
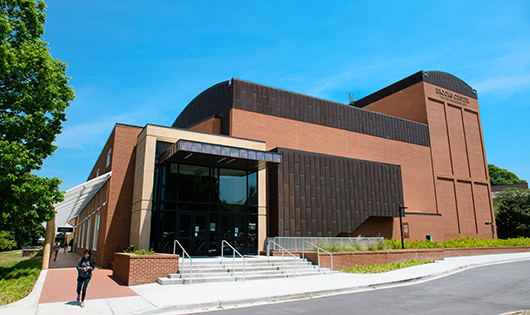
(245, 161)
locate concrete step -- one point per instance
(213, 269)
(239, 261)
(212, 274)
(237, 278)
(230, 267)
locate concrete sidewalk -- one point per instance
(175, 299)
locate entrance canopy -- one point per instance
(207, 154)
(76, 199)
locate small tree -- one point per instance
(501, 176)
(513, 217)
(34, 95)
(499, 196)
(7, 241)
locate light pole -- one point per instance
(492, 229)
(401, 212)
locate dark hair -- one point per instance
(92, 261)
(89, 253)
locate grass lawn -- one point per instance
(386, 267)
(17, 275)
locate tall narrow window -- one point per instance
(88, 233)
(96, 232)
(78, 234)
(83, 236)
(97, 173)
(109, 155)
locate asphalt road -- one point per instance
(494, 289)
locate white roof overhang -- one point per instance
(76, 199)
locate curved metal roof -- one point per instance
(439, 78)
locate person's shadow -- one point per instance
(72, 303)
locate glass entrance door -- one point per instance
(193, 232)
(234, 231)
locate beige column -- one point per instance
(48, 243)
(262, 209)
(143, 190)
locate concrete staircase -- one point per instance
(256, 267)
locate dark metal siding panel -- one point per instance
(450, 82)
(322, 195)
(439, 78)
(276, 102)
(215, 101)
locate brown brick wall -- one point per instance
(460, 167)
(456, 252)
(115, 216)
(344, 260)
(121, 191)
(407, 104)
(98, 204)
(415, 160)
(212, 125)
(134, 269)
(373, 227)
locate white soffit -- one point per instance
(76, 199)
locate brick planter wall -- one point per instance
(345, 259)
(350, 259)
(474, 251)
(134, 269)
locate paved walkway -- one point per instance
(55, 294)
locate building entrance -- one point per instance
(202, 206)
(202, 234)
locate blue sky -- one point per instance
(139, 62)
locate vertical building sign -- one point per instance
(405, 229)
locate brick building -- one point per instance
(245, 161)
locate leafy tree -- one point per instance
(499, 196)
(29, 236)
(34, 95)
(7, 241)
(501, 176)
(513, 217)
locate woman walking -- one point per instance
(84, 272)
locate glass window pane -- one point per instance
(253, 189)
(185, 225)
(253, 234)
(194, 183)
(232, 208)
(240, 233)
(168, 235)
(171, 183)
(193, 206)
(232, 186)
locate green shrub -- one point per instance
(513, 217)
(385, 267)
(7, 241)
(353, 245)
(131, 250)
(464, 242)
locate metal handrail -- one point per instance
(184, 252)
(318, 255)
(234, 251)
(283, 251)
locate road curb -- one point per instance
(227, 304)
(30, 303)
